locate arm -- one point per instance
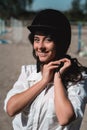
(17, 102)
(63, 106)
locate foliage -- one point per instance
(13, 8)
(76, 13)
(17, 8)
(85, 7)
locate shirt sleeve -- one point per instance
(78, 97)
(20, 85)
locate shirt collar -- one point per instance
(34, 76)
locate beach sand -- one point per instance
(18, 53)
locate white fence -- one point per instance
(15, 29)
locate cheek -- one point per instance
(53, 51)
(35, 46)
(53, 54)
(50, 46)
(53, 48)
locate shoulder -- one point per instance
(30, 73)
(80, 88)
(28, 68)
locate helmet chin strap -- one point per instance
(38, 63)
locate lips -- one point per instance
(42, 54)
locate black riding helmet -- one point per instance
(55, 23)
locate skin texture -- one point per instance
(45, 50)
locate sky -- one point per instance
(55, 4)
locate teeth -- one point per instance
(42, 54)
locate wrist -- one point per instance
(44, 82)
(59, 75)
(57, 78)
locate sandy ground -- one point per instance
(17, 53)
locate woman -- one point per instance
(52, 94)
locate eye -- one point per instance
(36, 39)
(48, 39)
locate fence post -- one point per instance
(2, 27)
(79, 36)
(17, 30)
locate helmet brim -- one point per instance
(34, 28)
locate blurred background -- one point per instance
(15, 48)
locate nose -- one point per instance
(41, 46)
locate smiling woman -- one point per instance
(52, 94)
(44, 48)
(56, 26)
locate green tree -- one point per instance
(13, 7)
(76, 5)
(76, 11)
(85, 10)
(85, 7)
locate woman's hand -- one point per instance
(66, 65)
(48, 71)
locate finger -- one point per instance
(54, 63)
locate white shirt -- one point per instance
(40, 115)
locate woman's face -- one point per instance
(44, 48)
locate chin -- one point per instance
(45, 60)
